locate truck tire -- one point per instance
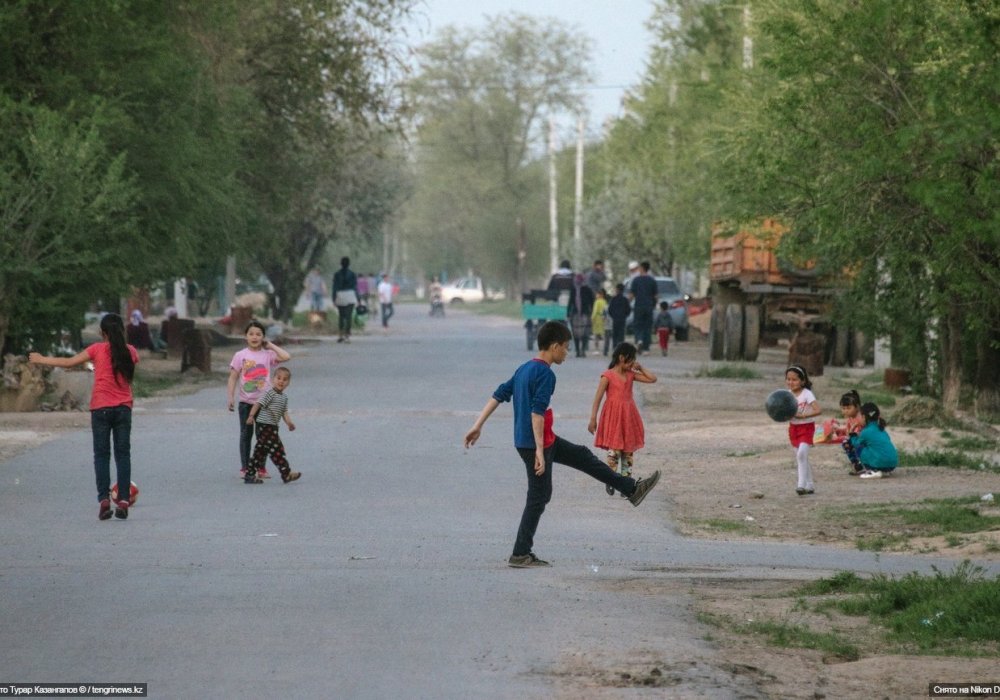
(751, 332)
(732, 339)
(716, 328)
(841, 346)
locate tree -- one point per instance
(872, 127)
(480, 99)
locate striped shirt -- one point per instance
(273, 405)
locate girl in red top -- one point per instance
(620, 431)
(110, 408)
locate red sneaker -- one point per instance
(105, 510)
(121, 510)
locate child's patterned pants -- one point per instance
(622, 458)
(268, 443)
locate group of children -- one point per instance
(261, 402)
(863, 436)
(616, 310)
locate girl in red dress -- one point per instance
(620, 430)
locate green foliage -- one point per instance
(945, 458)
(480, 101)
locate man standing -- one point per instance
(643, 291)
(596, 276)
(345, 296)
(385, 299)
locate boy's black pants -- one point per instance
(540, 487)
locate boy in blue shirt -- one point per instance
(530, 390)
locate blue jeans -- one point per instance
(642, 322)
(246, 433)
(107, 422)
(386, 314)
(540, 487)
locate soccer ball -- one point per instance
(133, 493)
(781, 405)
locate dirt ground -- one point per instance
(730, 474)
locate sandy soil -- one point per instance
(724, 461)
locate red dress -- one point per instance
(620, 425)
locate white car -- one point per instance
(464, 289)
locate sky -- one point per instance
(616, 28)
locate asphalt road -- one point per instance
(382, 572)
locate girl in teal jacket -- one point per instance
(872, 452)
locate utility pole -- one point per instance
(553, 207)
(578, 201)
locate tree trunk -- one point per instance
(951, 357)
(988, 376)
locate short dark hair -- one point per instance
(345, 261)
(598, 262)
(644, 265)
(565, 263)
(619, 287)
(284, 370)
(553, 333)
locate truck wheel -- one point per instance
(732, 339)
(841, 342)
(716, 328)
(751, 332)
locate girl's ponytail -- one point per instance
(121, 359)
(873, 415)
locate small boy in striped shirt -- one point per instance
(267, 413)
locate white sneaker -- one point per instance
(871, 474)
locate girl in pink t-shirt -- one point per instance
(250, 371)
(110, 408)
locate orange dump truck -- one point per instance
(759, 298)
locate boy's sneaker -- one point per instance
(804, 492)
(871, 474)
(262, 473)
(252, 479)
(243, 473)
(643, 487)
(104, 512)
(121, 510)
(292, 476)
(525, 561)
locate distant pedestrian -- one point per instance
(664, 326)
(562, 279)
(530, 390)
(137, 332)
(597, 322)
(267, 413)
(643, 291)
(620, 430)
(385, 294)
(110, 409)
(596, 276)
(250, 371)
(315, 287)
(578, 311)
(345, 298)
(618, 310)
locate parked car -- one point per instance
(668, 291)
(464, 289)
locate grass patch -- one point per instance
(723, 525)
(945, 458)
(955, 613)
(895, 524)
(968, 443)
(729, 372)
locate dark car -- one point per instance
(668, 291)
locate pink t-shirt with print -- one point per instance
(254, 368)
